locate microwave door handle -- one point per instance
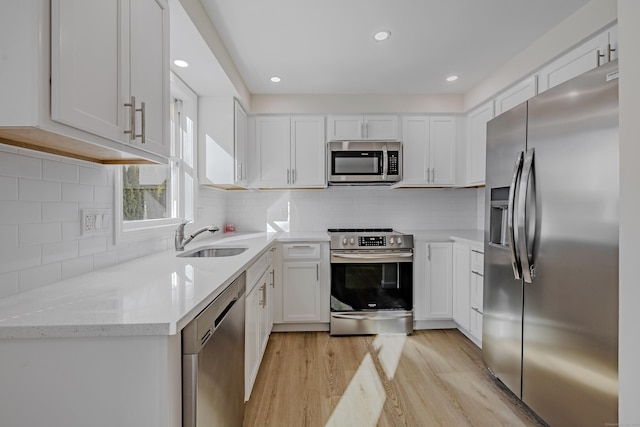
(385, 163)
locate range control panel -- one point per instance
(372, 241)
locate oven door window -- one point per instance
(357, 163)
(378, 286)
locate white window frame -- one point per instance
(129, 231)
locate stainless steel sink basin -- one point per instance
(213, 252)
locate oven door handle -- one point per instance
(370, 317)
(396, 257)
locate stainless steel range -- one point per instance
(371, 281)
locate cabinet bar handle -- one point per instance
(428, 173)
(477, 273)
(132, 119)
(288, 176)
(477, 251)
(433, 175)
(429, 252)
(598, 56)
(142, 123)
(317, 273)
(301, 246)
(293, 176)
(609, 50)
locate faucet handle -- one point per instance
(180, 228)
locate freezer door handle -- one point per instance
(527, 216)
(513, 238)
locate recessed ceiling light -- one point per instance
(452, 78)
(180, 63)
(382, 35)
(275, 79)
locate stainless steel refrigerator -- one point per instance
(550, 330)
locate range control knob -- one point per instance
(344, 240)
(391, 240)
(399, 240)
(352, 241)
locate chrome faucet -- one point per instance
(181, 242)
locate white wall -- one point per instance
(629, 341)
(317, 210)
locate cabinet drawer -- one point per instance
(477, 261)
(301, 251)
(256, 269)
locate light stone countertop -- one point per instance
(154, 295)
(474, 237)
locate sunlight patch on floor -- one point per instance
(389, 348)
(363, 400)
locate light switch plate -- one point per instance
(94, 221)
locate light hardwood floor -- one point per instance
(430, 378)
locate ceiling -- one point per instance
(327, 47)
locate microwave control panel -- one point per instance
(393, 163)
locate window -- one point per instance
(152, 198)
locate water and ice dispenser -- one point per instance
(499, 216)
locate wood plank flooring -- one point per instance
(430, 378)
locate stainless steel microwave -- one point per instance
(364, 162)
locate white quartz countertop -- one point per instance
(153, 295)
(475, 237)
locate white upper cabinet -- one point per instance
(222, 141)
(477, 140)
(428, 145)
(592, 53)
(110, 69)
(290, 151)
(361, 127)
(516, 95)
(69, 68)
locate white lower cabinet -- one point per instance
(468, 270)
(258, 317)
(302, 293)
(433, 281)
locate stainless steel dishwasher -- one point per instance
(213, 362)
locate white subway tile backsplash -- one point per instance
(71, 230)
(105, 259)
(77, 192)
(37, 190)
(20, 166)
(58, 171)
(14, 259)
(77, 266)
(18, 212)
(96, 175)
(39, 276)
(9, 284)
(9, 236)
(60, 251)
(92, 245)
(8, 188)
(103, 195)
(53, 211)
(38, 234)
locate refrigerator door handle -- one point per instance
(513, 238)
(525, 218)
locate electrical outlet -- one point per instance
(94, 221)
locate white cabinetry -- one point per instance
(516, 95)
(592, 53)
(110, 69)
(290, 151)
(85, 71)
(477, 140)
(428, 151)
(258, 316)
(358, 127)
(433, 284)
(222, 142)
(302, 294)
(468, 270)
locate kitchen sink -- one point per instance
(213, 252)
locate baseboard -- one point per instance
(300, 327)
(434, 324)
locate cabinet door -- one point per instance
(442, 149)
(415, 149)
(461, 285)
(342, 128)
(149, 71)
(581, 59)
(516, 95)
(301, 292)
(308, 152)
(477, 134)
(381, 127)
(273, 142)
(240, 143)
(252, 339)
(88, 56)
(438, 303)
